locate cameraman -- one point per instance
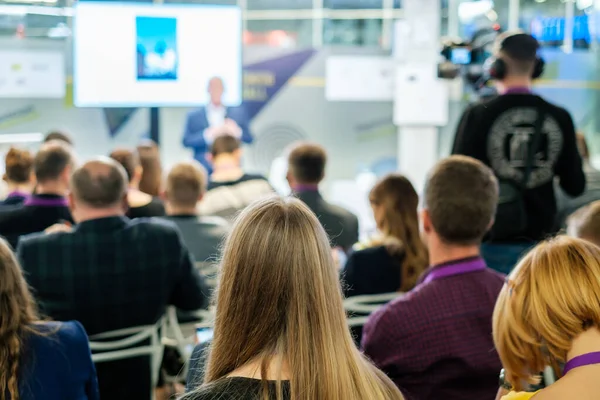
(527, 142)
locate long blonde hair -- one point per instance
(400, 226)
(279, 295)
(18, 313)
(552, 296)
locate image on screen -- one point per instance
(461, 56)
(156, 48)
(155, 55)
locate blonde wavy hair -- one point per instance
(18, 314)
(279, 297)
(552, 296)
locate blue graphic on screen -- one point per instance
(157, 57)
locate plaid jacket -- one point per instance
(435, 342)
(112, 273)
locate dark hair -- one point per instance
(99, 183)
(151, 181)
(58, 136)
(225, 144)
(19, 164)
(519, 51)
(307, 162)
(51, 161)
(400, 223)
(461, 197)
(186, 182)
(129, 159)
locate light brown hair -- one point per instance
(152, 172)
(19, 165)
(551, 297)
(225, 144)
(18, 314)
(186, 182)
(307, 162)
(129, 159)
(400, 223)
(461, 196)
(585, 223)
(52, 160)
(279, 296)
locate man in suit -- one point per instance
(306, 169)
(52, 167)
(186, 185)
(109, 272)
(204, 125)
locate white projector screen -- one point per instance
(138, 55)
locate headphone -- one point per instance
(498, 69)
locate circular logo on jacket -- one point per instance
(509, 142)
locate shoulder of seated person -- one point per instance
(362, 251)
(222, 389)
(65, 332)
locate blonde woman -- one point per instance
(548, 313)
(280, 328)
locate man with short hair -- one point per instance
(110, 272)
(306, 169)
(230, 189)
(527, 141)
(52, 167)
(435, 342)
(186, 186)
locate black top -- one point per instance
(340, 224)
(14, 200)
(372, 271)
(113, 273)
(22, 220)
(155, 208)
(236, 389)
(498, 133)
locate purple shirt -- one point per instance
(435, 342)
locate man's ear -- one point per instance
(71, 199)
(163, 195)
(491, 224)
(426, 224)
(125, 203)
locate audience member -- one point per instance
(394, 261)
(528, 142)
(140, 204)
(230, 189)
(52, 167)
(568, 205)
(19, 176)
(109, 272)
(585, 223)
(548, 313)
(280, 328)
(186, 185)
(152, 178)
(60, 137)
(40, 360)
(306, 169)
(435, 342)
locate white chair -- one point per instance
(128, 343)
(366, 304)
(549, 377)
(183, 336)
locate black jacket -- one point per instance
(340, 224)
(499, 131)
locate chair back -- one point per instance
(129, 343)
(359, 308)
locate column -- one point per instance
(513, 14)
(418, 142)
(453, 20)
(569, 25)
